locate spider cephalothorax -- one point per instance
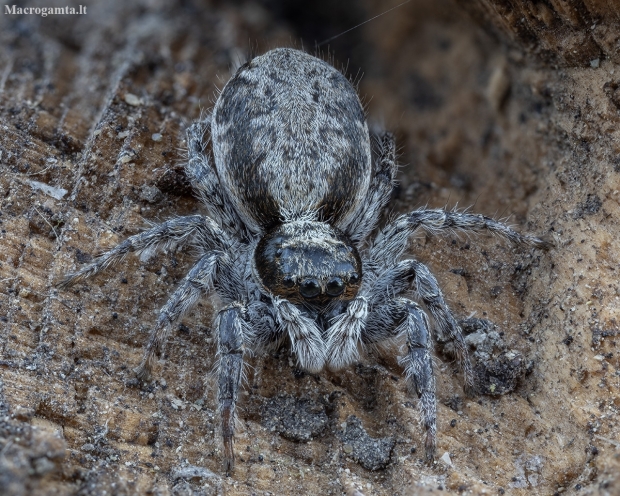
(292, 201)
(308, 261)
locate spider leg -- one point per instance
(306, 340)
(198, 281)
(393, 239)
(363, 221)
(205, 181)
(402, 317)
(177, 231)
(266, 334)
(429, 292)
(232, 331)
(408, 274)
(345, 333)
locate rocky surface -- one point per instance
(92, 113)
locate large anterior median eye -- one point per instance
(310, 288)
(335, 287)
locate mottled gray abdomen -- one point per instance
(290, 137)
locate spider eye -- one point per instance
(288, 281)
(310, 288)
(335, 287)
(354, 278)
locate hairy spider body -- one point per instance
(292, 200)
(290, 137)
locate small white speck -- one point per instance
(52, 191)
(132, 99)
(156, 137)
(446, 459)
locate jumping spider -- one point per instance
(292, 200)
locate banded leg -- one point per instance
(403, 317)
(178, 231)
(409, 274)
(364, 220)
(205, 181)
(199, 281)
(392, 241)
(429, 292)
(232, 332)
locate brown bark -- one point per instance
(528, 127)
(573, 34)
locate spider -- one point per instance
(293, 197)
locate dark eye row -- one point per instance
(310, 287)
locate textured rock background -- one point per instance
(511, 109)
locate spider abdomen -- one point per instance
(290, 137)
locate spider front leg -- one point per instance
(402, 317)
(232, 332)
(306, 340)
(198, 282)
(393, 239)
(179, 231)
